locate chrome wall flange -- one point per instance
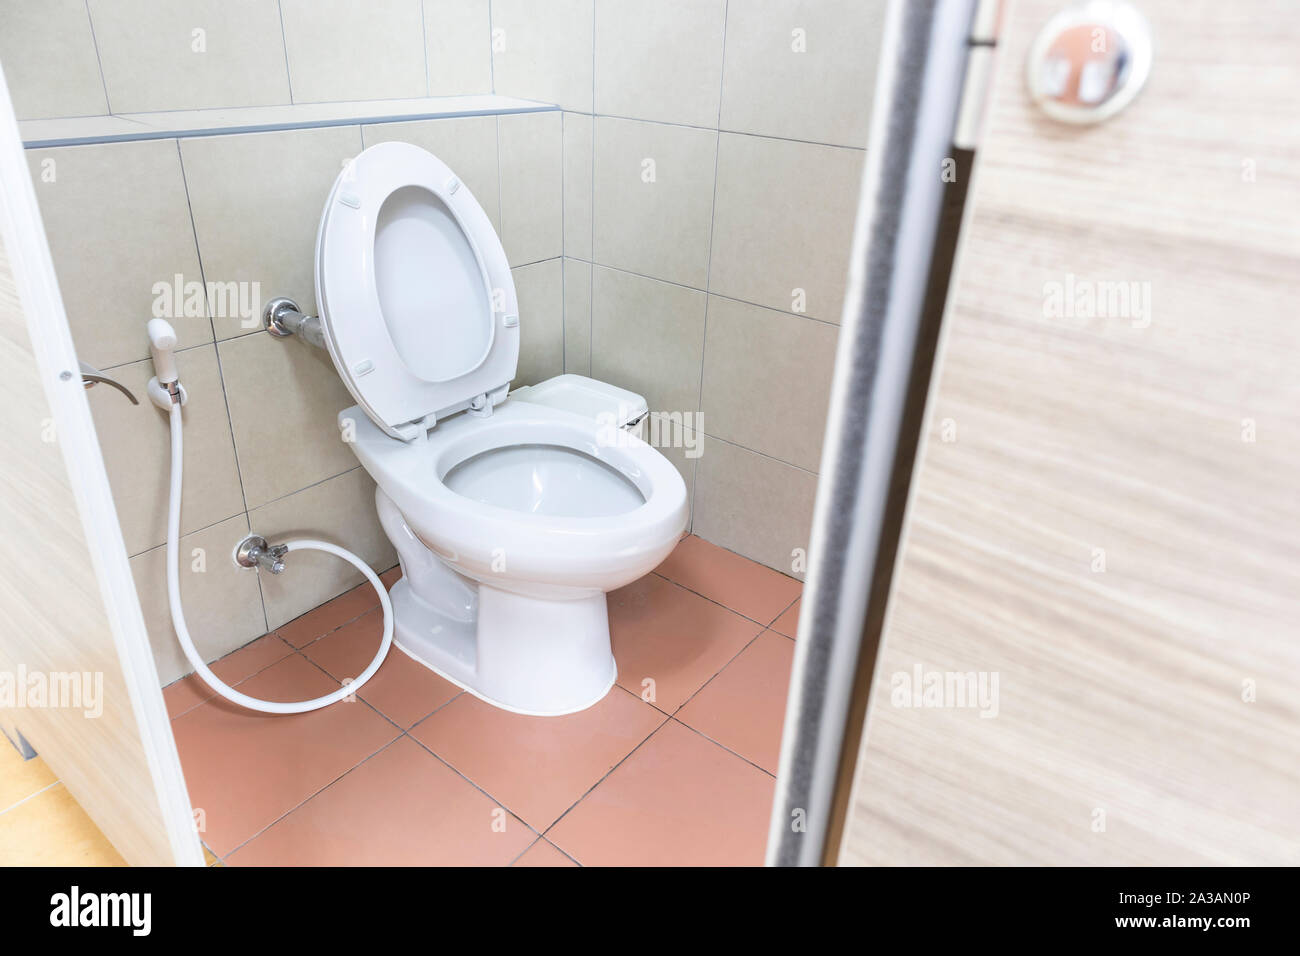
(282, 318)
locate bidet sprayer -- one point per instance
(164, 388)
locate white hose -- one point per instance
(178, 614)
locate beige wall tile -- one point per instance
(783, 221)
(468, 146)
(543, 51)
(458, 46)
(284, 398)
(660, 61)
(753, 505)
(767, 380)
(340, 50)
(154, 60)
(532, 208)
(257, 200)
(654, 198)
(577, 185)
(577, 316)
(49, 60)
(136, 443)
(540, 288)
(118, 222)
(647, 336)
(341, 511)
(222, 604)
(822, 94)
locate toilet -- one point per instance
(512, 513)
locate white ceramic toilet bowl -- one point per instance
(510, 530)
(511, 518)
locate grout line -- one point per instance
(186, 534)
(771, 624)
(586, 793)
(714, 129)
(501, 206)
(564, 318)
(714, 676)
(141, 361)
(99, 60)
(681, 723)
(424, 42)
(564, 853)
(535, 262)
(313, 796)
(290, 494)
(355, 695)
(440, 707)
(708, 268)
(760, 454)
(453, 769)
(212, 694)
(722, 66)
(284, 45)
(515, 859)
(492, 66)
(221, 374)
(692, 288)
(30, 796)
(717, 602)
(591, 266)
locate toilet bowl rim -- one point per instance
(416, 484)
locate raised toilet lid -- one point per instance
(415, 293)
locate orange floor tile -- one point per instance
(542, 853)
(737, 583)
(788, 622)
(669, 641)
(673, 767)
(402, 807)
(539, 766)
(679, 800)
(402, 690)
(744, 706)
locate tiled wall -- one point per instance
(91, 57)
(712, 156)
(713, 286)
(262, 450)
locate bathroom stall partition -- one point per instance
(1084, 652)
(77, 676)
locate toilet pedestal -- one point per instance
(524, 654)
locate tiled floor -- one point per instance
(674, 767)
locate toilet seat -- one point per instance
(541, 550)
(415, 294)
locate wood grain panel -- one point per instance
(1166, 444)
(66, 596)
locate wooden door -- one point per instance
(71, 621)
(1106, 511)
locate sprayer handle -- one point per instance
(162, 345)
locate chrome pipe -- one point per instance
(283, 318)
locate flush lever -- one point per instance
(90, 376)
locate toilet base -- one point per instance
(527, 655)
